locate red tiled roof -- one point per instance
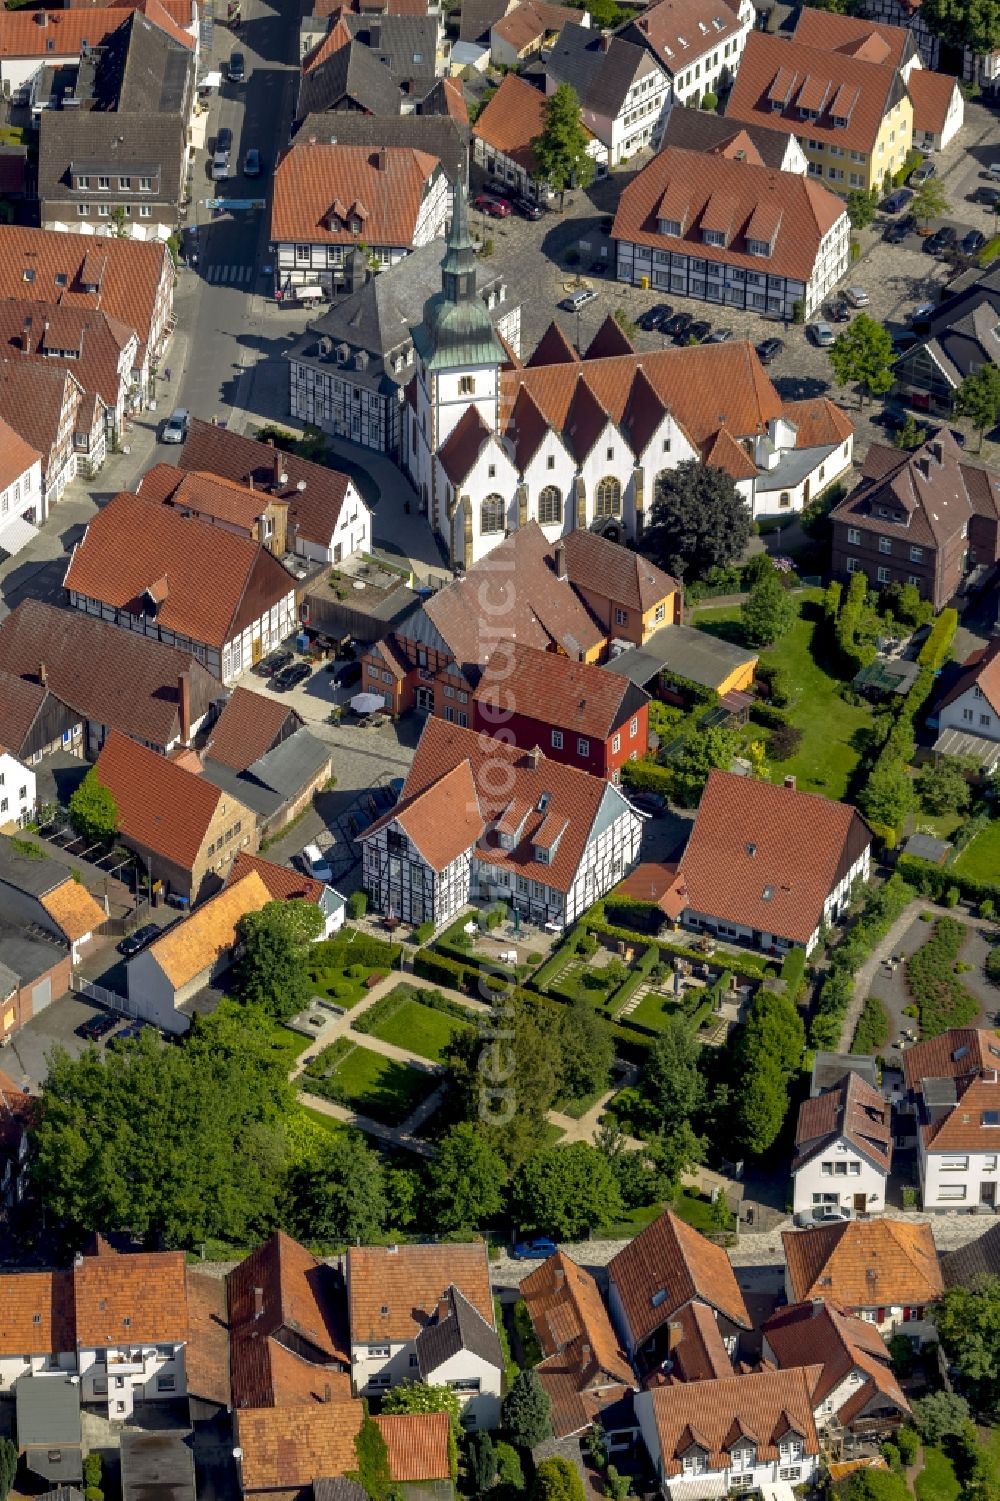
(33, 398)
(700, 1353)
(87, 337)
(609, 571)
(249, 726)
(578, 697)
(408, 1281)
(311, 178)
(283, 883)
(134, 548)
(530, 22)
(446, 98)
(767, 857)
(573, 1327)
(853, 1110)
(443, 819)
(763, 1407)
(679, 31)
(853, 35)
(16, 456)
(160, 806)
(864, 1264)
(20, 703)
(931, 94)
(206, 1359)
(512, 120)
(822, 1333)
(206, 495)
(818, 421)
(64, 31)
(980, 670)
(38, 1316)
(670, 1258)
(661, 884)
(286, 1448)
(464, 445)
(138, 1298)
(417, 1445)
(610, 339)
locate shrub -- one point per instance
(901, 1354)
(891, 1456)
(872, 1030)
(771, 717)
(908, 1440)
(784, 742)
(793, 972)
(951, 896)
(357, 904)
(993, 966)
(930, 974)
(987, 909)
(425, 932)
(92, 1467)
(939, 639)
(710, 101)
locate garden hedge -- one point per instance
(793, 972)
(750, 966)
(631, 911)
(933, 881)
(941, 997)
(880, 911)
(641, 972)
(942, 633)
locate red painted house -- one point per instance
(574, 712)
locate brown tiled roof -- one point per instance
(160, 806)
(283, 883)
(971, 1124)
(131, 270)
(572, 1324)
(300, 1304)
(512, 120)
(586, 419)
(723, 452)
(679, 31)
(662, 884)
(87, 340)
(65, 30)
(443, 819)
(207, 495)
(33, 395)
(583, 699)
(38, 1316)
(852, 1110)
(201, 939)
(114, 677)
(789, 211)
(671, 1258)
(409, 1281)
(773, 69)
(287, 1448)
(821, 1333)
(610, 339)
(554, 347)
(613, 572)
(928, 498)
(446, 98)
(818, 421)
(73, 908)
(131, 1299)
(931, 94)
(700, 1353)
(864, 1263)
(206, 1359)
(310, 179)
(763, 1407)
(464, 445)
(767, 857)
(16, 456)
(20, 703)
(417, 1445)
(249, 726)
(314, 509)
(980, 670)
(853, 35)
(531, 21)
(132, 547)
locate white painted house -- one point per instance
(843, 1149)
(624, 94)
(425, 1313)
(954, 1086)
(697, 43)
(972, 704)
(22, 498)
(17, 792)
(857, 1389)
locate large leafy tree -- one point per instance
(672, 1080)
(557, 1479)
(929, 200)
(968, 1322)
(8, 1466)
(863, 353)
(765, 1053)
(271, 971)
(467, 1179)
(768, 611)
(561, 150)
(588, 1051)
(979, 399)
(704, 751)
(945, 788)
(965, 23)
(526, 1412)
(508, 1081)
(887, 795)
(93, 811)
(179, 1144)
(566, 1191)
(698, 520)
(339, 1196)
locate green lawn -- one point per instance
(653, 1009)
(419, 1028)
(826, 758)
(695, 1210)
(937, 1480)
(286, 1045)
(352, 1075)
(328, 1123)
(634, 1221)
(340, 967)
(576, 1108)
(981, 857)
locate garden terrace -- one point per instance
(422, 1021)
(351, 1075)
(343, 968)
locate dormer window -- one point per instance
(670, 227)
(693, 1462)
(758, 247)
(541, 855)
(713, 236)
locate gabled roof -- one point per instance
(73, 909)
(442, 819)
(205, 936)
(445, 136)
(864, 1263)
(931, 94)
(286, 1448)
(677, 32)
(610, 571)
(851, 1111)
(20, 703)
(696, 129)
(980, 670)
(855, 36)
(666, 1266)
(284, 884)
(464, 445)
(416, 1445)
(343, 73)
(713, 1416)
(34, 396)
(207, 495)
(580, 698)
(578, 1343)
(554, 347)
(382, 189)
(138, 1298)
(160, 806)
(38, 1313)
(113, 677)
(927, 499)
(445, 98)
(456, 1326)
(249, 726)
(822, 1333)
(16, 456)
(768, 857)
(602, 69)
(529, 22)
(512, 120)
(133, 547)
(394, 1291)
(700, 1353)
(610, 339)
(87, 337)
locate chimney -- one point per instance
(560, 560)
(382, 160)
(26, 336)
(937, 449)
(184, 705)
(559, 1277)
(790, 782)
(312, 140)
(43, 675)
(534, 757)
(327, 1392)
(818, 1304)
(258, 1302)
(924, 466)
(276, 468)
(605, 41)
(584, 1353)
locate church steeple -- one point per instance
(457, 331)
(458, 269)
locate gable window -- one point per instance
(608, 499)
(557, 739)
(713, 236)
(549, 506)
(758, 247)
(854, 535)
(492, 514)
(660, 612)
(466, 385)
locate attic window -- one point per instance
(543, 802)
(36, 1318)
(670, 227)
(719, 23)
(127, 1322)
(384, 1310)
(683, 41)
(61, 278)
(826, 1282)
(768, 893)
(994, 1051)
(29, 274)
(659, 1297)
(991, 1117)
(751, 850)
(959, 1053)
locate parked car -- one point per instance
(128, 1033)
(973, 242)
(720, 336)
(237, 69)
(291, 677)
(837, 311)
(133, 942)
(922, 312)
(699, 329)
(904, 339)
(223, 150)
(649, 802)
(577, 300)
(922, 173)
(497, 208)
(655, 317)
(251, 163)
(993, 170)
(529, 209)
(274, 663)
(769, 349)
(941, 240)
(98, 1026)
(857, 297)
(677, 326)
(989, 196)
(316, 864)
(534, 1250)
(897, 201)
(175, 429)
(822, 334)
(823, 1214)
(347, 674)
(900, 230)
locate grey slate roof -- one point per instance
(28, 952)
(48, 1426)
(379, 316)
(684, 651)
(962, 332)
(274, 779)
(438, 135)
(350, 77)
(157, 1466)
(339, 1488)
(478, 18)
(8, 982)
(36, 877)
(977, 1258)
(406, 45)
(458, 1326)
(700, 130)
(600, 77)
(830, 1068)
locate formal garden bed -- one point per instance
(348, 1074)
(934, 978)
(424, 1021)
(342, 969)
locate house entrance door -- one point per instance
(860, 1203)
(988, 1194)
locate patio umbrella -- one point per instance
(367, 703)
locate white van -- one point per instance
(316, 864)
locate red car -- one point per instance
(497, 208)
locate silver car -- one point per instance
(823, 1214)
(175, 429)
(822, 334)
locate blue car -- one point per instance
(897, 201)
(534, 1250)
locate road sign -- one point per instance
(235, 203)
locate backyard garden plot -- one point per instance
(980, 860)
(344, 968)
(348, 1074)
(424, 1021)
(933, 976)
